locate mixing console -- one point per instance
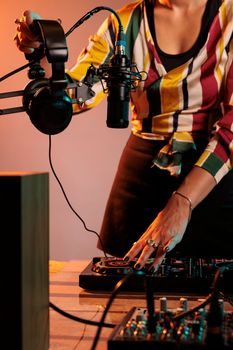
(195, 331)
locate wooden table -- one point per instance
(66, 334)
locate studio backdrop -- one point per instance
(85, 155)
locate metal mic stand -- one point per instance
(13, 109)
(80, 91)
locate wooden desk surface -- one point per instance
(66, 334)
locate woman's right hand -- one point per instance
(26, 40)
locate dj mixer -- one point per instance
(160, 326)
(193, 332)
(180, 276)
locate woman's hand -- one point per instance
(168, 228)
(165, 232)
(25, 39)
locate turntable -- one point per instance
(175, 276)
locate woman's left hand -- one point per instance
(165, 232)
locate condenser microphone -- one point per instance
(117, 76)
(119, 86)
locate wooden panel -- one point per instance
(24, 227)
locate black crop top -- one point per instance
(171, 61)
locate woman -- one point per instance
(174, 184)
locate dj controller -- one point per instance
(179, 276)
(207, 326)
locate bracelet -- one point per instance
(188, 199)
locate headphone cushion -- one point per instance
(49, 112)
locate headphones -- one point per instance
(46, 100)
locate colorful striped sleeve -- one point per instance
(218, 156)
(98, 51)
(101, 47)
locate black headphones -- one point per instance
(46, 100)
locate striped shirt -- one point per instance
(192, 100)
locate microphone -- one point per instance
(119, 75)
(119, 86)
(119, 78)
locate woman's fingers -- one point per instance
(164, 233)
(135, 250)
(146, 248)
(26, 46)
(171, 244)
(30, 16)
(145, 255)
(25, 38)
(160, 255)
(26, 32)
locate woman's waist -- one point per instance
(199, 124)
(156, 136)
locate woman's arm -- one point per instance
(169, 226)
(197, 185)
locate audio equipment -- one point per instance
(45, 100)
(121, 77)
(48, 102)
(190, 333)
(175, 275)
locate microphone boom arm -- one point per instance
(82, 93)
(13, 109)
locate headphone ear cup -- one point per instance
(30, 91)
(49, 112)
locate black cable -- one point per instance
(90, 14)
(79, 319)
(67, 200)
(214, 288)
(194, 309)
(226, 298)
(17, 70)
(77, 24)
(116, 290)
(151, 318)
(84, 331)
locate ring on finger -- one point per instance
(151, 243)
(162, 245)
